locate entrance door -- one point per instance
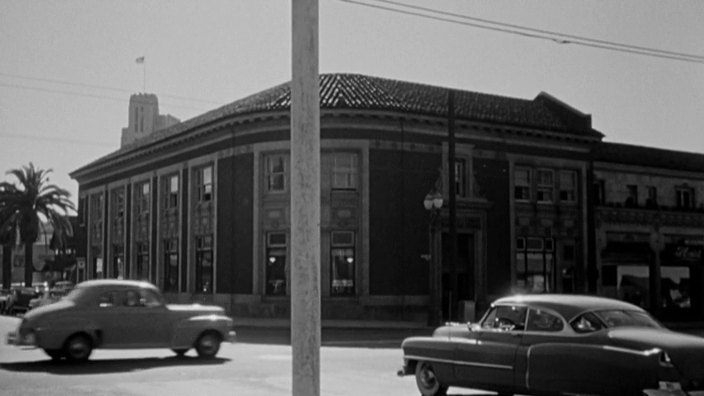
(460, 288)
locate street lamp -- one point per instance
(433, 203)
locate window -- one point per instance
(545, 185)
(171, 265)
(568, 186)
(632, 197)
(171, 188)
(344, 171)
(652, 201)
(142, 261)
(505, 318)
(204, 183)
(522, 182)
(142, 198)
(599, 192)
(204, 264)
(276, 264)
(541, 321)
(276, 173)
(460, 177)
(534, 264)
(118, 262)
(684, 198)
(342, 263)
(587, 323)
(118, 203)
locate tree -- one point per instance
(30, 203)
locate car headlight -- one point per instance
(29, 338)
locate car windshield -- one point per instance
(75, 294)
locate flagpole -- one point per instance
(142, 61)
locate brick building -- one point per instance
(201, 208)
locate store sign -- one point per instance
(99, 265)
(689, 253)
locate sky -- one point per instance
(68, 67)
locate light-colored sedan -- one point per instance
(121, 314)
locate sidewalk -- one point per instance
(335, 324)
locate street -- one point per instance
(260, 364)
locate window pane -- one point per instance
(342, 269)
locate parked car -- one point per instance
(19, 302)
(558, 345)
(46, 298)
(4, 299)
(120, 314)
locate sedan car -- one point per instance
(558, 345)
(119, 314)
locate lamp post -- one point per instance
(433, 203)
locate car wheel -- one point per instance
(54, 354)
(427, 381)
(208, 345)
(78, 348)
(180, 352)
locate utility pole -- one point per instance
(305, 200)
(452, 191)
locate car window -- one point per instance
(505, 317)
(587, 323)
(539, 320)
(620, 318)
(110, 299)
(148, 298)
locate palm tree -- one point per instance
(25, 206)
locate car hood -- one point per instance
(197, 309)
(686, 351)
(41, 310)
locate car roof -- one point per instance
(115, 283)
(568, 305)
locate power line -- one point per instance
(560, 38)
(76, 84)
(103, 97)
(55, 139)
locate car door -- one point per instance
(142, 322)
(542, 327)
(487, 360)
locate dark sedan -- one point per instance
(558, 345)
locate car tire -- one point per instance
(180, 352)
(54, 354)
(427, 382)
(208, 345)
(78, 348)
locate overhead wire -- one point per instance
(557, 37)
(76, 84)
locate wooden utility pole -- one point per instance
(452, 192)
(305, 200)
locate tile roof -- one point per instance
(361, 92)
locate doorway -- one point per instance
(463, 287)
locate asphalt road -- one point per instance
(353, 362)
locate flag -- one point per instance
(140, 59)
